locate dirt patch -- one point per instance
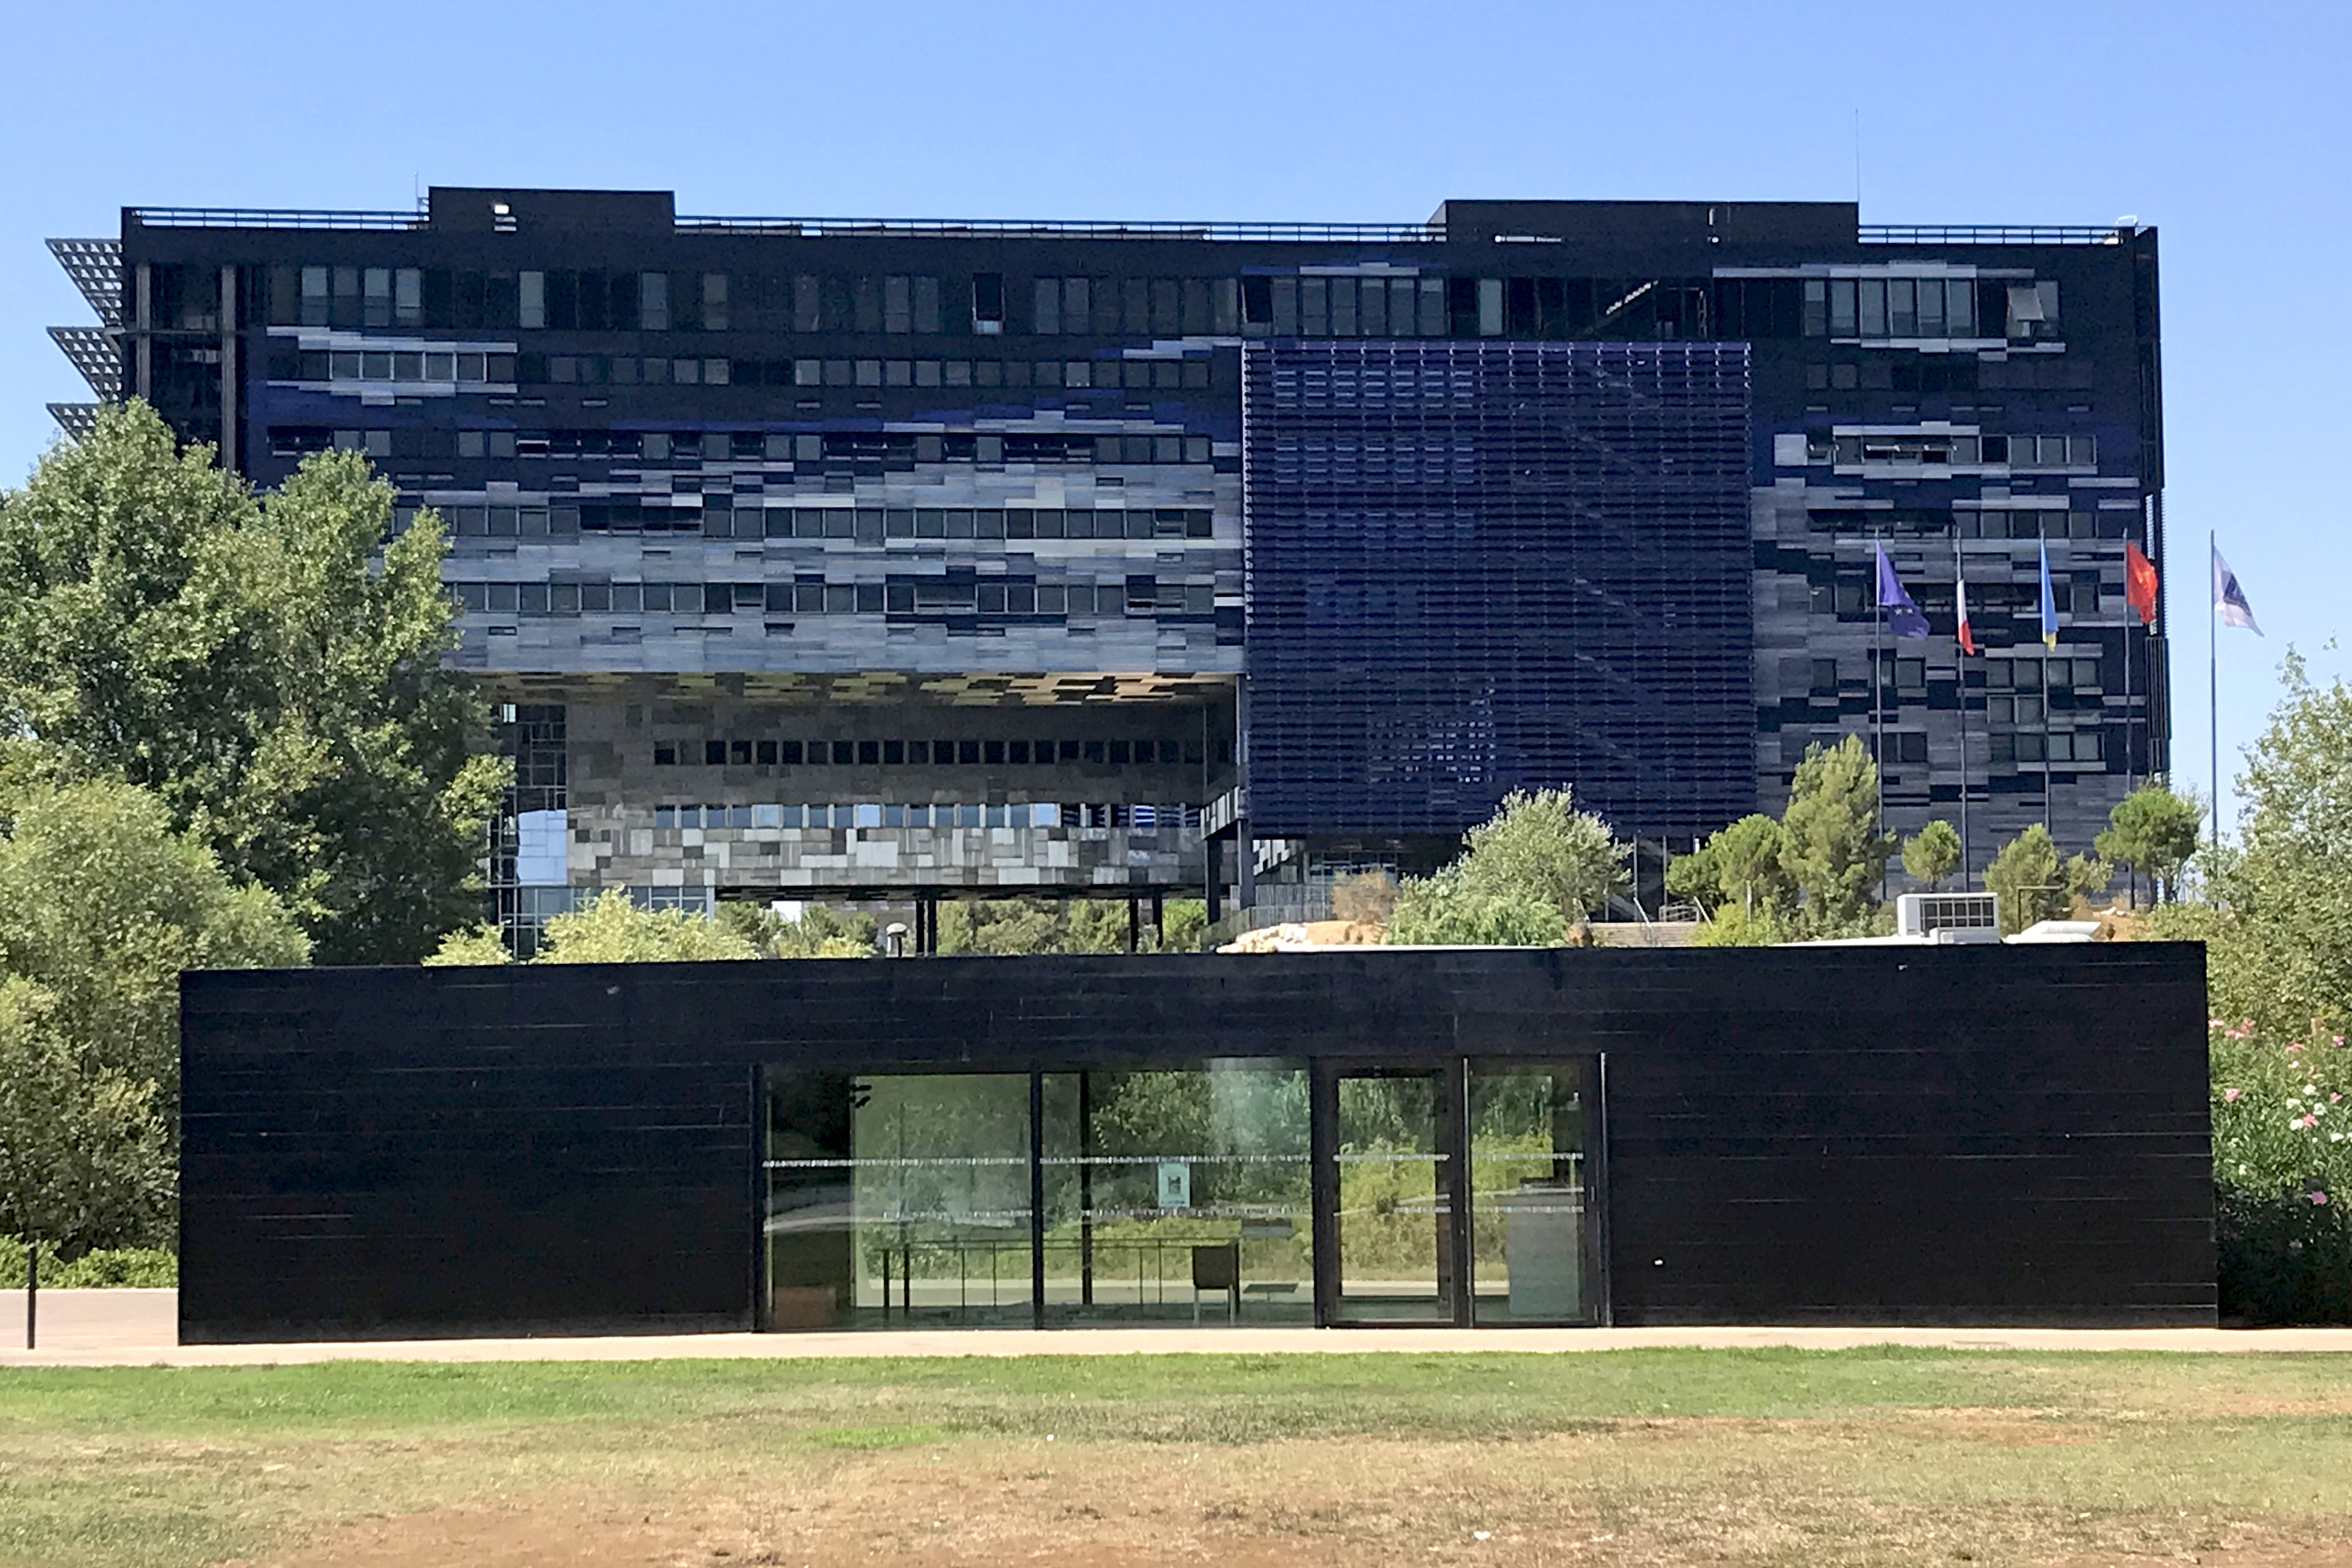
(1592, 1498)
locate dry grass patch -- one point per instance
(1638, 1459)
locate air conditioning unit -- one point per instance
(1948, 917)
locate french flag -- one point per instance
(1967, 638)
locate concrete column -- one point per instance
(1214, 880)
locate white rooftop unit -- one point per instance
(1948, 916)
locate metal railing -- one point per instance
(266, 218)
(1994, 234)
(1113, 229)
(1024, 228)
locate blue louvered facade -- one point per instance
(1477, 566)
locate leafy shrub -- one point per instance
(2282, 1110)
(109, 1268)
(2281, 1258)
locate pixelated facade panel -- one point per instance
(1482, 567)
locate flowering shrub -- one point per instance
(2282, 1160)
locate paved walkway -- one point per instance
(137, 1328)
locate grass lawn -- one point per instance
(1649, 1457)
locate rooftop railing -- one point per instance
(1017, 228)
(1022, 228)
(1994, 234)
(270, 218)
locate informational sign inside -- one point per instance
(1175, 1184)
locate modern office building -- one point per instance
(943, 558)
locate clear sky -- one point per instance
(2225, 126)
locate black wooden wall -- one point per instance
(1866, 1135)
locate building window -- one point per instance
(653, 301)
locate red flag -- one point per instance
(2139, 583)
(1968, 639)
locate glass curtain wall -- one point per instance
(1453, 1192)
(1178, 1196)
(899, 1200)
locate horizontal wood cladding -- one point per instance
(1859, 1134)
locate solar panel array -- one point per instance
(1476, 567)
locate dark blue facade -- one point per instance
(1477, 568)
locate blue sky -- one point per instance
(2226, 127)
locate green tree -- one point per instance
(102, 907)
(1696, 876)
(1932, 854)
(476, 944)
(260, 667)
(614, 929)
(1451, 910)
(2152, 830)
(1538, 846)
(85, 1156)
(2279, 927)
(1738, 866)
(1185, 925)
(1833, 846)
(1733, 927)
(2026, 878)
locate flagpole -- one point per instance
(2214, 681)
(2049, 646)
(1877, 711)
(1960, 667)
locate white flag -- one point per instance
(2230, 599)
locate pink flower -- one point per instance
(2296, 1047)
(2213, 1023)
(2308, 1120)
(2230, 1095)
(2334, 1098)
(2318, 1197)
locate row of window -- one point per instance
(2000, 674)
(2080, 597)
(1139, 595)
(2027, 746)
(877, 525)
(398, 367)
(1969, 523)
(883, 814)
(1097, 753)
(1954, 374)
(1364, 304)
(1954, 451)
(861, 449)
(864, 525)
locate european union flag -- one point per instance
(1903, 617)
(2049, 603)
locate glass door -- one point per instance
(1535, 1248)
(1391, 1176)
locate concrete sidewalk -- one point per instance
(138, 1328)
